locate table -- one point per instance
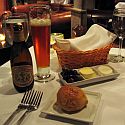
(111, 109)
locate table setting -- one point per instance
(50, 102)
(112, 92)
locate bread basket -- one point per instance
(77, 59)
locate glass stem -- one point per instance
(120, 45)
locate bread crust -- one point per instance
(71, 98)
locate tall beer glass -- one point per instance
(40, 21)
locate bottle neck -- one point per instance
(19, 36)
(18, 33)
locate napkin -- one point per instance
(96, 37)
(120, 5)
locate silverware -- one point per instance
(33, 105)
(25, 102)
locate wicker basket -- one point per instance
(77, 59)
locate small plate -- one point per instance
(92, 81)
(85, 115)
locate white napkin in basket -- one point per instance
(96, 37)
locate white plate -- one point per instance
(92, 81)
(85, 115)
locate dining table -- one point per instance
(110, 111)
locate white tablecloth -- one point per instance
(111, 110)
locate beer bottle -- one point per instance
(21, 62)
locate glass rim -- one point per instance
(40, 6)
(119, 10)
(17, 15)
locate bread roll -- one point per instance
(71, 98)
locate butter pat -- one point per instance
(87, 72)
(106, 70)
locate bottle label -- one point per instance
(22, 75)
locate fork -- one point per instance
(25, 102)
(34, 103)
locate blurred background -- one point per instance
(73, 18)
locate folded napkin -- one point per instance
(120, 5)
(96, 37)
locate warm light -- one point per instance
(19, 23)
(67, 16)
(2, 40)
(3, 43)
(2, 37)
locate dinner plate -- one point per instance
(85, 115)
(92, 81)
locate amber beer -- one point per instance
(40, 30)
(40, 22)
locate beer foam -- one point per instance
(40, 22)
